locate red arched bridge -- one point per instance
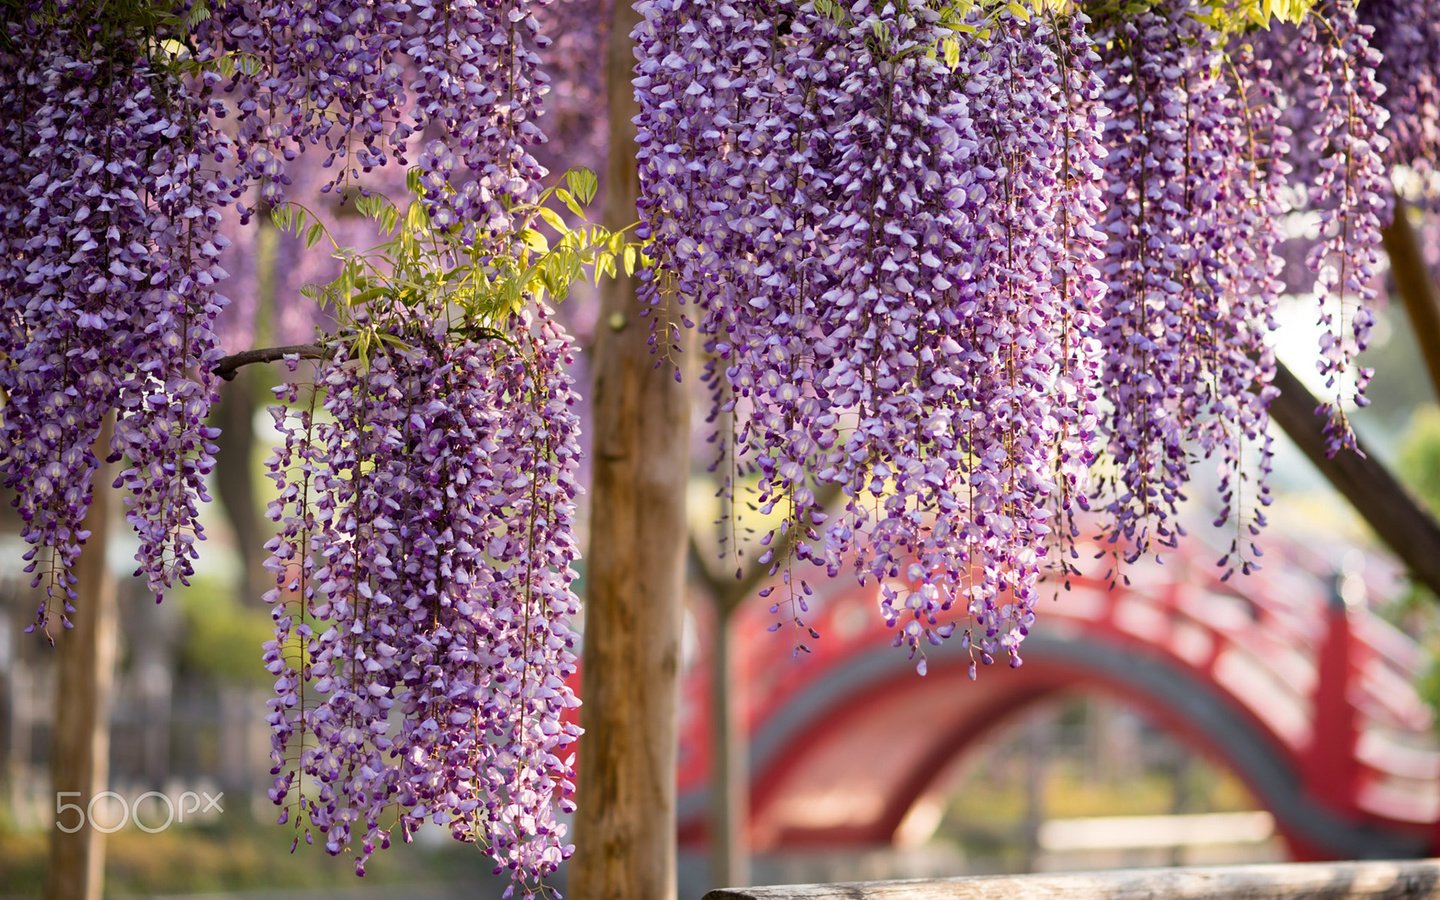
(1309, 701)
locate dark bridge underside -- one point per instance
(848, 758)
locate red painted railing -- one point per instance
(1309, 699)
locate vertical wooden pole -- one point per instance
(625, 824)
(728, 820)
(85, 655)
(729, 752)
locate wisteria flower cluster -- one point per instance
(1351, 192)
(1407, 35)
(428, 482)
(1196, 170)
(360, 80)
(894, 256)
(948, 264)
(108, 267)
(423, 600)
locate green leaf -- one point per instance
(553, 219)
(313, 235)
(582, 184)
(415, 219)
(569, 200)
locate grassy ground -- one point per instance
(238, 855)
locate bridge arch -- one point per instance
(1304, 699)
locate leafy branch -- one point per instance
(481, 280)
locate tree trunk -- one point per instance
(625, 824)
(80, 758)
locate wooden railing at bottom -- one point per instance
(1369, 880)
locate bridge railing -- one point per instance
(1368, 880)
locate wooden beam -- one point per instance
(1332, 881)
(1399, 520)
(1416, 287)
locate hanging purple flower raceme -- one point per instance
(1196, 168)
(1247, 250)
(160, 428)
(361, 80)
(480, 87)
(1151, 260)
(110, 301)
(1407, 35)
(692, 72)
(56, 380)
(1028, 414)
(1352, 195)
(873, 252)
(309, 74)
(427, 520)
(1079, 208)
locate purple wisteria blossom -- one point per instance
(884, 249)
(108, 258)
(366, 83)
(1352, 194)
(1407, 35)
(423, 600)
(936, 262)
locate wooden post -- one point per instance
(80, 759)
(625, 823)
(1329, 769)
(728, 825)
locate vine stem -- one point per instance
(229, 366)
